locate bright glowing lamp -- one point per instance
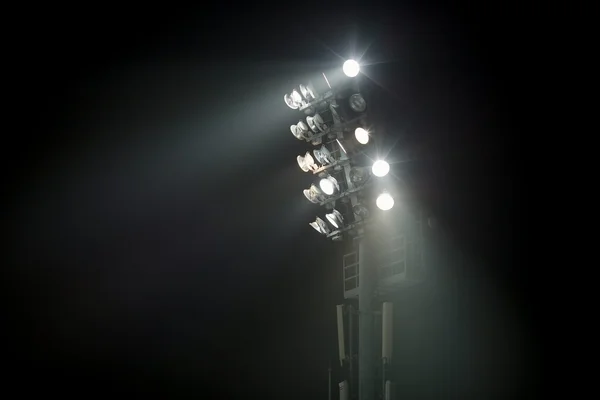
(351, 68)
(362, 136)
(380, 168)
(326, 186)
(329, 185)
(385, 201)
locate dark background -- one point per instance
(158, 229)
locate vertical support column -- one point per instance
(351, 383)
(366, 289)
(387, 334)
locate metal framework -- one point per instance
(379, 262)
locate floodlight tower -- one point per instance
(337, 123)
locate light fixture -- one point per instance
(380, 168)
(307, 163)
(307, 93)
(296, 132)
(320, 226)
(320, 122)
(323, 155)
(303, 129)
(362, 136)
(357, 103)
(361, 211)
(335, 218)
(358, 175)
(329, 185)
(296, 97)
(290, 102)
(311, 124)
(313, 194)
(385, 201)
(351, 68)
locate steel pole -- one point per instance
(351, 385)
(366, 288)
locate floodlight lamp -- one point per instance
(385, 201)
(303, 129)
(329, 185)
(313, 194)
(315, 226)
(351, 68)
(323, 155)
(320, 122)
(311, 124)
(290, 102)
(296, 97)
(380, 168)
(357, 103)
(358, 175)
(361, 211)
(326, 186)
(296, 132)
(335, 218)
(324, 228)
(362, 136)
(307, 93)
(320, 226)
(307, 163)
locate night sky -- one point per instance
(158, 229)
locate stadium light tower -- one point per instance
(335, 124)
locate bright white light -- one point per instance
(385, 201)
(362, 136)
(351, 68)
(326, 186)
(380, 168)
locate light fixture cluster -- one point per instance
(350, 180)
(299, 97)
(313, 126)
(336, 220)
(322, 155)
